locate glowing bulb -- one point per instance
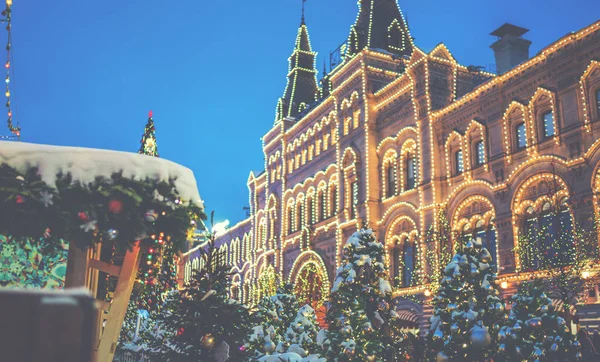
(7, 94)
(585, 274)
(7, 79)
(7, 65)
(8, 2)
(427, 292)
(504, 285)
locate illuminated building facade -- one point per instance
(393, 136)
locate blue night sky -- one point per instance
(87, 72)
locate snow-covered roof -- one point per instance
(85, 164)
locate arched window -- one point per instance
(459, 166)
(290, 219)
(347, 124)
(396, 254)
(356, 119)
(310, 206)
(322, 205)
(300, 215)
(333, 200)
(354, 199)
(548, 122)
(547, 238)
(235, 292)
(409, 261)
(390, 175)
(411, 171)
(396, 37)
(521, 136)
(479, 153)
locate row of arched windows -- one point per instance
(546, 122)
(478, 157)
(352, 122)
(542, 225)
(240, 250)
(467, 152)
(315, 207)
(304, 150)
(400, 174)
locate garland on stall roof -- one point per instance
(115, 210)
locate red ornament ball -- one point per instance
(115, 206)
(82, 216)
(20, 199)
(180, 331)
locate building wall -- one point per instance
(382, 109)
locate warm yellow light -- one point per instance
(9, 2)
(585, 274)
(504, 285)
(427, 292)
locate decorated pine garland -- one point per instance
(115, 210)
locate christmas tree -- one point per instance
(362, 323)
(301, 335)
(535, 331)
(156, 279)
(273, 314)
(467, 311)
(148, 144)
(201, 322)
(130, 324)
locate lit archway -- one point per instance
(311, 282)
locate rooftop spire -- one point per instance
(380, 25)
(302, 76)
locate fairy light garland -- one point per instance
(583, 88)
(7, 13)
(305, 140)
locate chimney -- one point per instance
(510, 49)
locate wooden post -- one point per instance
(118, 308)
(76, 267)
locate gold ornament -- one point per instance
(371, 358)
(349, 351)
(208, 341)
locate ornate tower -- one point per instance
(301, 87)
(379, 25)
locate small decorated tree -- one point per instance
(535, 331)
(148, 144)
(362, 323)
(201, 322)
(273, 316)
(467, 311)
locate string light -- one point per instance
(7, 13)
(288, 146)
(583, 86)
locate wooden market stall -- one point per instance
(96, 199)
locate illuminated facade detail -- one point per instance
(301, 88)
(403, 135)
